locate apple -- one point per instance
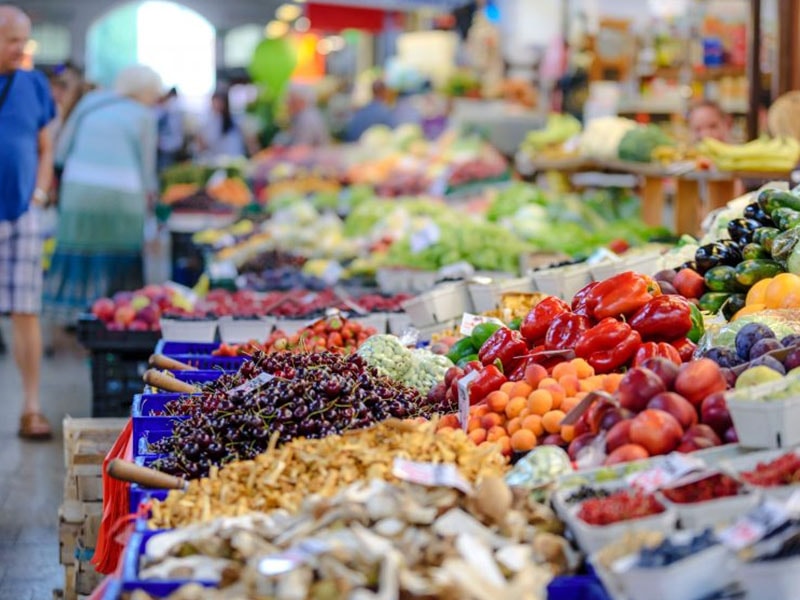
(730, 436)
(612, 417)
(689, 283)
(582, 426)
(150, 314)
(698, 379)
(579, 443)
(626, 453)
(714, 413)
(694, 444)
(122, 298)
(637, 387)
(664, 368)
(104, 309)
(124, 315)
(676, 405)
(657, 431)
(597, 412)
(138, 325)
(437, 393)
(154, 292)
(619, 435)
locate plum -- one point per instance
(771, 362)
(763, 346)
(792, 361)
(749, 335)
(723, 357)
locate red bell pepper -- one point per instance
(504, 345)
(534, 325)
(656, 349)
(565, 330)
(489, 380)
(621, 294)
(608, 345)
(663, 319)
(685, 348)
(580, 302)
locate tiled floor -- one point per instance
(32, 474)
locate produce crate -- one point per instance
(130, 569)
(171, 348)
(577, 587)
(116, 378)
(93, 335)
(211, 363)
(183, 330)
(144, 405)
(762, 422)
(201, 376)
(154, 431)
(239, 331)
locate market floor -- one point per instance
(32, 474)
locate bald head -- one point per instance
(15, 30)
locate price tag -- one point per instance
(672, 468)
(425, 237)
(755, 525)
(470, 322)
(431, 474)
(248, 387)
(463, 397)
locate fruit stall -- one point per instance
(336, 411)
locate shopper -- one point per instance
(108, 153)
(376, 112)
(706, 119)
(406, 111)
(171, 137)
(221, 134)
(26, 164)
(308, 126)
(783, 117)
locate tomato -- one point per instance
(335, 340)
(656, 431)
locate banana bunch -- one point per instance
(210, 237)
(761, 155)
(671, 154)
(559, 129)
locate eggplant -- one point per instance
(742, 230)
(709, 256)
(690, 264)
(733, 254)
(755, 212)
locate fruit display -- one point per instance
(230, 190)
(639, 144)
(280, 395)
(710, 488)
(361, 531)
(619, 506)
(670, 551)
(756, 346)
(784, 470)
(140, 310)
(761, 155)
(601, 137)
(333, 334)
(549, 140)
(284, 476)
(419, 368)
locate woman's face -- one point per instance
(708, 122)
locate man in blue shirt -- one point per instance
(377, 112)
(26, 166)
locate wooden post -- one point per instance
(687, 206)
(787, 69)
(754, 68)
(653, 201)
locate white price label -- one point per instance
(470, 322)
(463, 397)
(248, 387)
(755, 525)
(425, 237)
(672, 468)
(430, 474)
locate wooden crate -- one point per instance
(87, 441)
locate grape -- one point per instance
(763, 346)
(749, 335)
(769, 361)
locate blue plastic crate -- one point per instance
(577, 587)
(154, 431)
(170, 348)
(200, 376)
(145, 423)
(138, 493)
(130, 569)
(145, 405)
(208, 362)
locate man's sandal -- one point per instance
(34, 426)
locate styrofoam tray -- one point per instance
(398, 323)
(719, 511)
(771, 580)
(176, 330)
(487, 296)
(646, 263)
(563, 282)
(768, 423)
(749, 462)
(693, 577)
(377, 321)
(395, 281)
(291, 326)
(239, 331)
(445, 303)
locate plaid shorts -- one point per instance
(21, 265)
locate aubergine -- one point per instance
(690, 264)
(733, 305)
(709, 256)
(756, 213)
(742, 230)
(733, 252)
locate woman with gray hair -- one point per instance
(107, 150)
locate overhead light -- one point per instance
(276, 29)
(288, 12)
(302, 24)
(337, 43)
(324, 46)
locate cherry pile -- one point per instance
(716, 486)
(620, 506)
(311, 395)
(784, 470)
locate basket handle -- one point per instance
(167, 383)
(146, 477)
(160, 361)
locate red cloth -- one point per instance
(116, 507)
